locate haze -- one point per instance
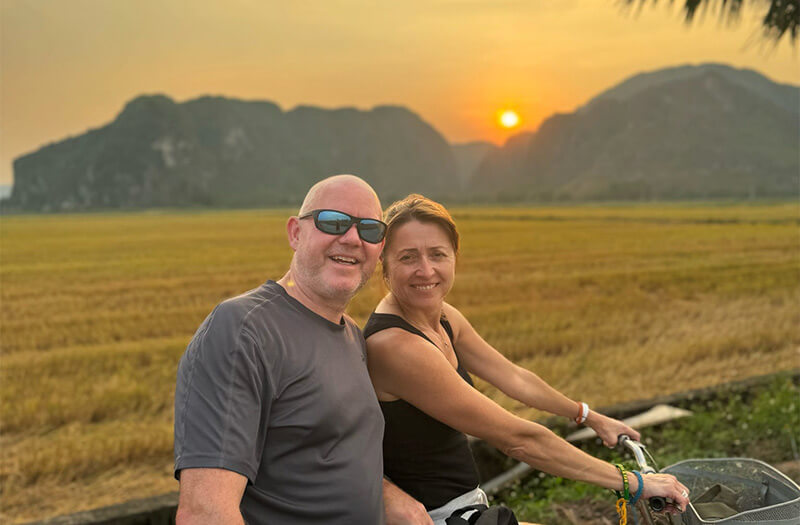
(69, 65)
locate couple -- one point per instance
(276, 417)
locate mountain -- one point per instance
(706, 131)
(468, 157)
(214, 151)
(783, 95)
(688, 132)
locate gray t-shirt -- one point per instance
(271, 390)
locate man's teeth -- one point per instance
(424, 286)
(344, 260)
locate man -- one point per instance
(276, 421)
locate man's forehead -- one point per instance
(348, 197)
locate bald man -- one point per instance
(276, 421)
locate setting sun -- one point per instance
(509, 119)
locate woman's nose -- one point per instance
(425, 267)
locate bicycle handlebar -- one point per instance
(657, 503)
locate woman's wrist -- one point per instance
(592, 418)
(629, 483)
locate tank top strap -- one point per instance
(379, 322)
(448, 329)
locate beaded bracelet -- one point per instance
(625, 494)
(622, 506)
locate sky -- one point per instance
(70, 65)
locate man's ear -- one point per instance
(293, 232)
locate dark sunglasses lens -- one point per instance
(371, 231)
(333, 222)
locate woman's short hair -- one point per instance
(415, 207)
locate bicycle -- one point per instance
(757, 493)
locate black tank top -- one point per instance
(426, 458)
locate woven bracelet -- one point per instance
(638, 494)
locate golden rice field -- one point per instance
(608, 303)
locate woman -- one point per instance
(421, 351)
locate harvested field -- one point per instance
(608, 303)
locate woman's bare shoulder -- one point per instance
(450, 311)
(455, 318)
(392, 342)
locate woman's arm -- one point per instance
(410, 368)
(402, 509)
(482, 359)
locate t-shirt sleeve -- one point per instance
(223, 398)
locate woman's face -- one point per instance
(420, 264)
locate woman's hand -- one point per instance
(667, 486)
(402, 509)
(609, 429)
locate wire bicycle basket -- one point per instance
(751, 489)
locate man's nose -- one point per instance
(350, 236)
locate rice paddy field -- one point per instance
(608, 303)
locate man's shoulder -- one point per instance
(238, 308)
(246, 313)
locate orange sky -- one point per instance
(68, 65)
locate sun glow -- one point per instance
(508, 119)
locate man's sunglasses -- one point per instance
(335, 222)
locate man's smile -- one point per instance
(344, 259)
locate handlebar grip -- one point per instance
(657, 503)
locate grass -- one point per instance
(95, 311)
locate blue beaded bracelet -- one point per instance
(638, 494)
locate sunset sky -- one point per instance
(69, 65)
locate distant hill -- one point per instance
(688, 132)
(215, 151)
(783, 95)
(468, 156)
(705, 131)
